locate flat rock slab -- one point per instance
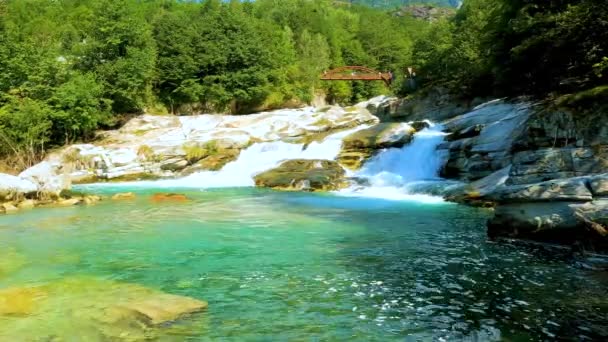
(304, 175)
(91, 309)
(599, 185)
(571, 189)
(163, 308)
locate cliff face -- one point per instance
(543, 168)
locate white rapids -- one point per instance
(398, 174)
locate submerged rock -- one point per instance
(20, 301)
(304, 175)
(92, 309)
(123, 196)
(69, 202)
(169, 197)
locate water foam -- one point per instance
(399, 174)
(257, 158)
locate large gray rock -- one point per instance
(570, 189)
(551, 163)
(12, 184)
(50, 177)
(436, 104)
(560, 222)
(599, 185)
(482, 139)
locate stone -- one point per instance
(475, 193)
(304, 175)
(361, 145)
(9, 208)
(570, 189)
(12, 184)
(436, 104)
(123, 196)
(27, 204)
(382, 135)
(50, 177)
(481, 140)
(169, 197)
(468, 132)
(91, 199)
(559, 222)
(419, 125)
(218, 160)
(93, 309)
(162, 307)
(174, 164)
(69, 202)
(599, 185)
(20, 301)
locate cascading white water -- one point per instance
(394, 173)
(257, 158)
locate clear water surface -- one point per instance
(301, 267)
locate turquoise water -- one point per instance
(301, 267)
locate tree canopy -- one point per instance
(69, 67)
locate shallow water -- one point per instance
(293, 266)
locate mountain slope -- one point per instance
(399, 3)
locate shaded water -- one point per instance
(286, 266)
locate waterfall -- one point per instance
(401, 173)
(257, 158)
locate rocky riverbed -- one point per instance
(542, 169)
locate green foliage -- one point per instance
(196, 152)
(505, 47)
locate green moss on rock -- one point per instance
(304, 175)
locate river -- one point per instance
(379, 261)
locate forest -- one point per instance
(71, 67)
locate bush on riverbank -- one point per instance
(68, 68)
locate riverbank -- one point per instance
(542, 170)
(317, 266)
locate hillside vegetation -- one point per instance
(70, 67)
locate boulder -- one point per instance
(569, 189)
(361, 145)
(476, 193)
(169, 197)
(559, 222)
(174, 164)
(48, 176)
(91, 199)
(96, 309)
(10, 185)
(123, 196)
(8, 208)
(305, 175)
(555, 222)
(599, 185)
(467, 132)
(481, 141)
(26, 204)
(69, 202)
